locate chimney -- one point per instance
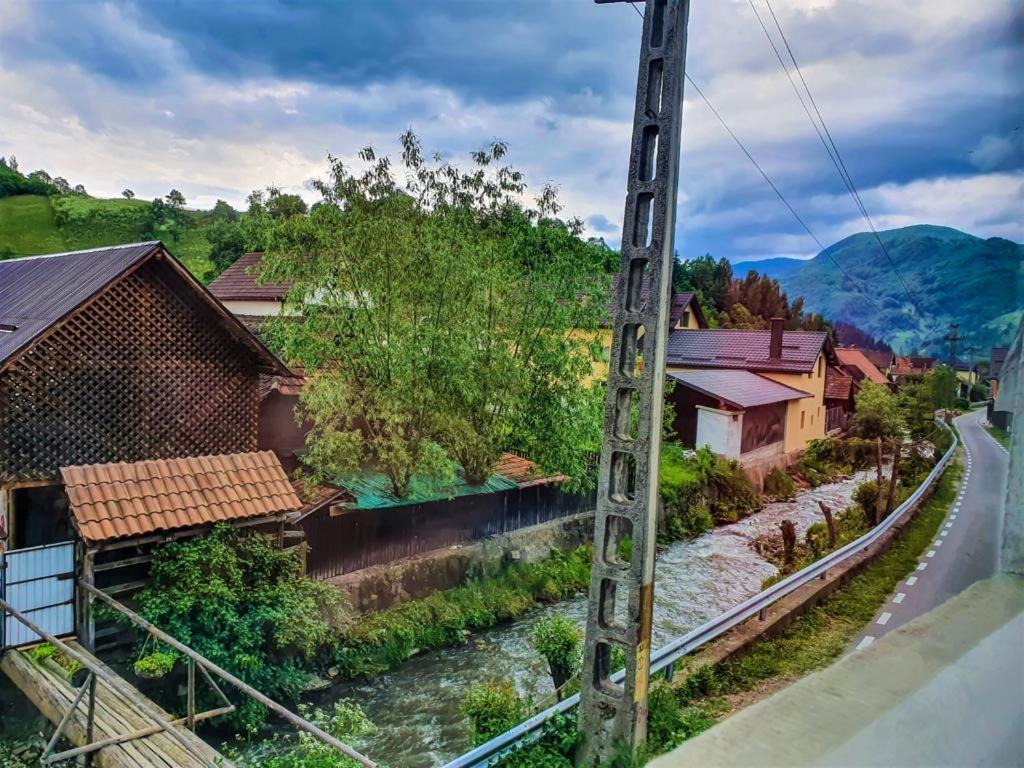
(775, 346)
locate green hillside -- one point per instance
(955, 277)
(38, 224)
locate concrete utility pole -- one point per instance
(953, 338)
(612, 716)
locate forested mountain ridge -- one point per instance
(954, 277)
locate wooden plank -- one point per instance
(115, 716)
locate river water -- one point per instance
(416, 707)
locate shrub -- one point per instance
(962, 404)
(866, 496)
(560, 642)
(155, 665)
(493, 708)
(779, 485)
(240, 602)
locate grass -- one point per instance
(35, 224)
(1001, 436)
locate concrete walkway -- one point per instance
(946, 689)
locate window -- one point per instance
(820, 362)
(802, 415)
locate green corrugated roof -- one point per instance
(372, 490)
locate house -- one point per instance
(855, 362)
(768, 390)
(911, 366)
(840, 399)
(241, 292)
(882, 360)
(128, 414)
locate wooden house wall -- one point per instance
(685, 402)
(358, 539)
(145, 370)
(763, 425)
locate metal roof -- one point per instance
(744, 349)
(738, 388)
(116, 501)
(37, 291)
(240, 282)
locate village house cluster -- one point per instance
(137, 406)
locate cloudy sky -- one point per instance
(923, 97)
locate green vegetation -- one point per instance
(243, 604)
(1001, 436)
(827, 459)
(382, 640)
(779, 485)
(442, 322)
(53, 653)
(346, 722)
(493, 708)
(155, 665)
(560, 642)
(957, 277)
(703, 490)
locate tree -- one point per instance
(222, 211)
(227, 243)
(560, 642)
(877, 416)
(944, 386)
(12, 163)
(128, 194)
(439, 319)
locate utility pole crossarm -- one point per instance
(622, 591)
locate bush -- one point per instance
(779, 485)
(240, 602)
(560, 642)
(155, 665)
(866, 496)
(962, 404)
(493, 708)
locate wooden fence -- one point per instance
(355, 539)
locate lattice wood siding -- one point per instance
(147, 370)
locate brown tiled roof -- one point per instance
(523, 471)
(906, 365)
(854, 358)
(733, 348)
(879, 358)
(240, 282)
(740, 389)
(838, 385)
(286, 385)
(115, 501)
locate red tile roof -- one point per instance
(838, 385)
(240, 282)
(523, 472)
(740, 389)
(742, 349)
(115, 501)
(854, 358)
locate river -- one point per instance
(416, 707)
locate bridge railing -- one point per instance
(666, 657)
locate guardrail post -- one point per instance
(670, 672)
(762, 614)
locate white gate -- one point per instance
(39, 582)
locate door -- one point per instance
(40, 583)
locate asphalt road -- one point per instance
(966, 547)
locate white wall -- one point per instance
(254, 308)
(721, 431)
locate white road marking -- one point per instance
(922, 566)
(931, 553)
(899, 598)
(952, 517)
(911, 581)
(884, 618)
(944, 534)
(865, 642)
(938, 543)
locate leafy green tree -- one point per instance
(560, 642)
(227, 243)
(222, 211)
(128, 194)
(440, 318)
(944, 386)
(877, 414)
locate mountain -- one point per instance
(954, 277)
(777, 268)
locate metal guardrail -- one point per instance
(665, 658)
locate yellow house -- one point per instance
(754, 395)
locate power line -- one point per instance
(771, 183)
(838, 159)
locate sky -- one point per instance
(924, 99)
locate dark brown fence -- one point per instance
(360, 538)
